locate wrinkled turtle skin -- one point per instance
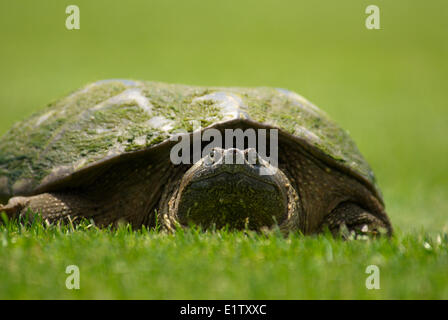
(74, 142)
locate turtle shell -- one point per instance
(110, 118)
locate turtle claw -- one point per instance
(14, 207)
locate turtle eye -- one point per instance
(210, 158)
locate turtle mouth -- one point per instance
(245, 163)
(229, 177)
(241, 171)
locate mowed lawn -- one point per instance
(127, 264)
(387, 87)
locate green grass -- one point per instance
(191, 264)
(387, 87)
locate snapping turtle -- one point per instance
(105, 152)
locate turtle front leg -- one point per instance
(349, 219)
(52, 207)
(14, 207)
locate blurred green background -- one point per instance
(387, 87)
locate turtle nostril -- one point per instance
(251, 157)
(248, 157)
(257, 160)
(233, 156)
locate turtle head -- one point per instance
(234, 188)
